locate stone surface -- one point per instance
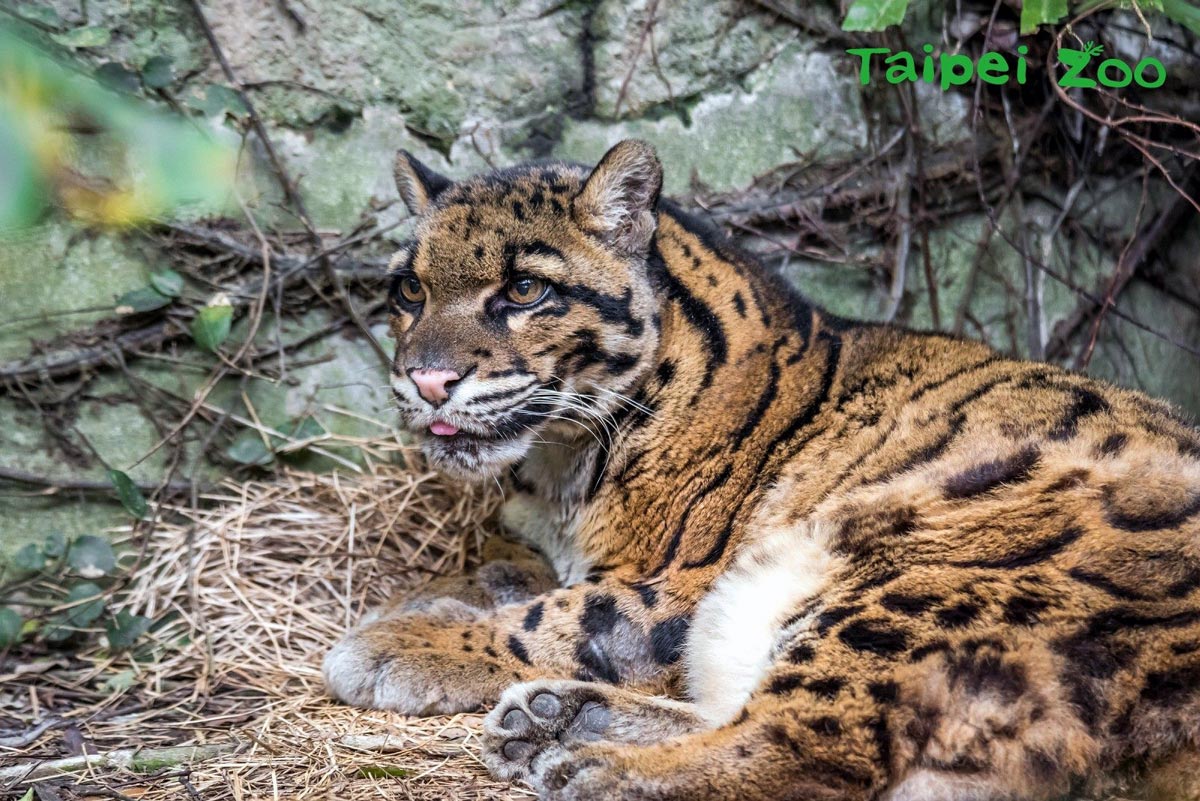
(49, 273)
(437, 60)
(797, 108)
(348, 173)
(650, 52)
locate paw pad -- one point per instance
(515, 720)
(518, 751)
(545, 705)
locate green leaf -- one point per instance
(158, 72)
(1184, 12)
(383, 771)
(120, 681)
(140, 301)
(88, 36)
(55, 545)
(167, 282)
(39, 12)
(1041, 12)
(86, 611)
(874, 15)
(212, 324)
(28, 795)
(129, 493)
(248, 448)
(10, 627)
(29, 557)
(308, 428)
(218, 101)
(25, 192)
(117, 76)
(57, 630)
(303, 429)
(125, 628)
(91, 557)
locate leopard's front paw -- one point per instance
(366, 670)
(535, 722)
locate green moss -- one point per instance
(59, 268)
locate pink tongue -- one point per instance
(443, 429)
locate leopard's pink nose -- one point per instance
(433, 385)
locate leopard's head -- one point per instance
(523, 307)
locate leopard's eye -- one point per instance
(411, 289)
(525, 289)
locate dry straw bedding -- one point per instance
(263, 576)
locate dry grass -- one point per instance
(261, 577)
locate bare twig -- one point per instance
(288, 185)
(647, 28)
(55, 484)
(1094, 306)
(904, 228)
(128, 758)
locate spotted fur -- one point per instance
(877, 563)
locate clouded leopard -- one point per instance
(872, 563)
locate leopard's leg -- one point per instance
(968, 724)
(935, 685)
(511, 573)
(613, 631)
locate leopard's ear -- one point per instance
(419, 185)
(618, 201)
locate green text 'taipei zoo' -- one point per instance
(957, 69)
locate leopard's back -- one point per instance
(1008, 588)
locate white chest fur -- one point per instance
(548, 517)
(739, 622)
(550, 528)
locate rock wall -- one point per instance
(745, 108)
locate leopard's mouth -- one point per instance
(472, 453)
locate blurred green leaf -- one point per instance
(874, 15)
(129, 493)
(139, 301)
(1040, 12)
(125, 628)
(117, 76)
(55, 545)
(10, 627)
(1184, 12)
(158, 72)
(167, 282)
(87, 36)
(91, 556)
(248, 448)
(39, 12)
(211, 326)
(29, 557)
(154, 163)
(23, 191)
